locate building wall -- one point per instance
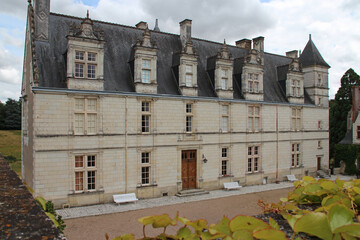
(118, 143)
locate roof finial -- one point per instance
(29, 1)
(224, 41)
(310, 36)
(87, 13)
(156, 28)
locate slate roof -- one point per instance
(311, 56)
(119, 40)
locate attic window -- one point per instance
(85, 62)
(224, 79)
(188, 75)
(146, 71)
(295, 88)
(253, 82)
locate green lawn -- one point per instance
(10, 145)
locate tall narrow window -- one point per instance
(224, 118)
(224, 162)
(188, 75)
(145, 168)
(145, 117)
(85, 173)
(295, 155)
(253, 118)
(358, 132)
(296, 119)
(319, 80)
(146, 71)
(253, 159)
(85, 116)
(253, 82)
(295, 88)
(224, 79)
(189, 118)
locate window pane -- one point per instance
(145, 175)
(256, 124)
(79, 181)
(250, 123)
(188, 108)
(91, 104)
(293, 160)
(79, 123)
(256, 87)
(91, 57)
(223, 84)
(146, 63)
(188, 80)
(145, 76)
(188, 123)
(249, 165)
(91, 180)
(256, 150)
(224, 152)
(256, 164)
(249, 151)
(188, 68)
(79, 161)
(145, 106)
(145, 157)
(224, 167)
(250, 88)
(224, 73)
(256, 77)
(79, 55)
(224, 109)
(79, 104)
(256, 110)
(91, 123)
(224, 124)
(91, 161)
(91, 71)
(79, 70)
(145, 122)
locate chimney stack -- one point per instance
(292, 54)
(258, 44)
(42, 13)
(355, 101)
(142, 25)
(185, 31)
(244, 43)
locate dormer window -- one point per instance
(295, 88)
(188, 75)
(85, 62)
(253, 83)
(146, 71)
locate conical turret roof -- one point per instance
(311, 56)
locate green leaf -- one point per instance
(223, 226)
(308, 179)
(125, 237)
(41, 201)
(146, 220)
(184, 220)
(351, 229)
(345, 236)
(52, 217)
(283, 199)
(356, 189)
(328, 200)
(247, 223)
(339, 182)
(161, 221)
(312, 188)
(242, 234)
(339, 215)
(314, 224)
(184, 232)
(270, 234)
(291, 219)
(273, 224)
(329, 185)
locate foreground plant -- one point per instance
(333, 215)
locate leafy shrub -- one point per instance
(349, 154)
(334, 216)
(49, 209)
(10, 158)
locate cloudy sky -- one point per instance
(285, 24)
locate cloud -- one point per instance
(15, 8)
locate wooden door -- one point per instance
(318, 163)
(188, 169)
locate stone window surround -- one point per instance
(189, 117)
(146, 112)
(88, 58)
(86, 113)
(225, 157)
(183, 67)
(150, 165)
(140, 57)
(295, 88)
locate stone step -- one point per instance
(191, 192)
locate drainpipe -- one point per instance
(277, 145)
(126, 149)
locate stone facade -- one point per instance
(182, 123)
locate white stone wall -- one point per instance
(119, 142)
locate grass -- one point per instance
(10, 145)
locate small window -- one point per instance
(91, 71)
(295, 155)
(145, 106)
(224, 167)
(188, 123)
(188, 108)
(91, 180)
(145, 123)
(146, 63)
(79, 70)
(91, 161)
(224, 152)
(145, 175)
(79, 55)
(79, 161)
(145, 157)
(91, 57)
(145, 76)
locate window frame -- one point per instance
(85, 169)
(254, 118)
(145, 117)
(145, 164)
(189, 118)
(296, 119)
(146, 70)
(225, 162)
(88, 114)
(85, 61)
(224, 121)
(253, 159)
(253, 82)
(296, 161)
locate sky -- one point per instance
(286, 24)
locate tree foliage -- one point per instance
(340, 106)
(10, 115)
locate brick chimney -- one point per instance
(41, 15)
(244, 43)
(292, 54)
(258, 44)
(185, 31)
(355, 102)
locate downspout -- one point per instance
(277, 145)
(126, 149)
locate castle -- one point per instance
(109, 109)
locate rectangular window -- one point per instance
(85, 116)
(91, 57)
(188, 75)
(253, 82)
(145, 76)
(253, 118)
(146, 63)
(91, 70)
(145, 117)
(224, 167)
(295, 155)
(319, 144)
(145, 157)
(224, 118)
(253, 159)
(224, 152)
(188, 123)
(224, 79)
(188, 108)
(79, 70)
(358, 132)
(85, 174)
(145, 175)
(295, 86)
(223, 84)
(296, 119)
(79, 55)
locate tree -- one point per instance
(12, 114)
(340, 106)
(2, 115)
